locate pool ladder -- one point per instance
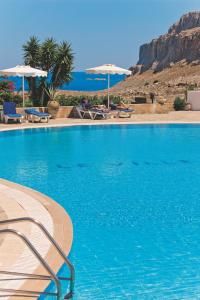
(51, 275)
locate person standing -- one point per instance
(152, 97)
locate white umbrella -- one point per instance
(23, 71)
(108, 69)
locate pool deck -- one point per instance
(18, 201)
(185, 117)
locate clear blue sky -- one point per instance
(100, 31)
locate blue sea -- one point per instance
(81, 82)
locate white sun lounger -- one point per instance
(91, 113)
(83, 113)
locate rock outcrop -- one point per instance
(181, 44)
(187, 21)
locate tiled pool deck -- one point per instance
(17, 201)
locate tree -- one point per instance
(32, 58)
(32, 52)
(61, 72)
(56, 59)
(48, 52)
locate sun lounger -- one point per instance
(92, 113)
(99, 113)
(125, 112)
(83, 113)
(9, 112)
(34, 115)
(122, 110)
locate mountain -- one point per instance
(181, 43)
(168, 65)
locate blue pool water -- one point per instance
(133, 193)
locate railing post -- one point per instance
(36, 254)
(51, 239)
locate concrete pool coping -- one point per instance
(19, 201)
(180, 117)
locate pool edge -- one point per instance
(62, 231)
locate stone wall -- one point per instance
(147, 108)
(63, 112)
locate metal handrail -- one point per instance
(39, 257)
(29, 276)
(28, 292)
(52, 240)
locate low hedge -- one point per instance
(65, 100)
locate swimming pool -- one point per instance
(132, 192)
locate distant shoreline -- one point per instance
(78, 93)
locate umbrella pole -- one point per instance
(23, 90)
(108, 91)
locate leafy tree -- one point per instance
(56, 59)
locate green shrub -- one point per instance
(17, 99)
(191, 87)
(28, 103)
(67, 100)
(179, 103)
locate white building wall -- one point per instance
(193, 97)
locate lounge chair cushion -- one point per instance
(13, 116)
(9, 109)
(34, 112)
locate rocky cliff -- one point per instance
(180, 44)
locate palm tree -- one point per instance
(32, 58)
(48, 51)
(63, 67)
(57, 59)
(32, 52)
(47, 60)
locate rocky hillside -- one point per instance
(182, 42)
(168, 65)
(187, 21)
(168, 83)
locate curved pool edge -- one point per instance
(143, 119)
(19, 201)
